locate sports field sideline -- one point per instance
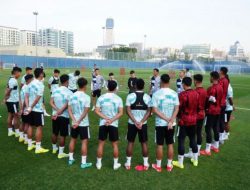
(227, 170)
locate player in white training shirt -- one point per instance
(53, 82)
(28, 72)
(79, 105)
(73, 77)
(109, 108)
(11, 99)
(60, 116)
(165, 103)
(35, 111)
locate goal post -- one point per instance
(8, 65)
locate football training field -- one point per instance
(230, 169)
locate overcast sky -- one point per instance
(166, 22)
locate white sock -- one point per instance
(71, 156)
(84, 159)
(61, 149)
(54, 146)
(216, 144)
(221, 136)
(29, 142)
(17, 131)
(199, 148)
(99, 160)
(25, 137)
(180, 159)
(145, 161)
(195, 156)
(21, 134)
(190, 151)
(128, 163)
(208, 147)
(115, 161)
(38, 145)
(158, 163)
(10, 130)
(169, 162)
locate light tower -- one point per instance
(109, 31)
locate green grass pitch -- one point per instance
(230, 169)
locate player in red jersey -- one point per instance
(224, 82)
(198, 78)
(187, 122)
(213, 109)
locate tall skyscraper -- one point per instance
(109, 31)
(236, 50)
(57, 38)
(9, 36)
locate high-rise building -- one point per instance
(198, 50)
(28, 38)
(109, 31)
(9, 36)
(236, 50)
(57, 38)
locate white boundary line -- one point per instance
(246, 109)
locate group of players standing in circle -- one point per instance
(185, 111)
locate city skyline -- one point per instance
(165, 22)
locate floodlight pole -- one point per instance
(36, 39)
(103, 35)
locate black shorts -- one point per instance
(25, 118)
(212, 120)
(97, 93)
(12, 107)
(142, 134)
(227, 116)
(163, 134)
(82, 131)
(36, 119)
(73, 90)
(61, 124)
(112, 131)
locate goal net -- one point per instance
(8, 65)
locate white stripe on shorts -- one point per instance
(42, 118)
(15, 110)
(88, 133)
(225, 117)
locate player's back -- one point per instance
(188, 107)
(202, 102)
(214, 108)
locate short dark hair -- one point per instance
(198, 77)
(187, 69)
(139, 84)
(64, 78)
(56, 71)
(165, 78)
(38, 72)
(112, 85)
(82, 82)
(16, 69)
(132, 72)
(215, 75)
(224, 70)
(77, 73)
(28, 77)
(157, 70)
(111, 74)
(187, 81)
(97, 69)
(28, 68)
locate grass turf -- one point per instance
(227, 170)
